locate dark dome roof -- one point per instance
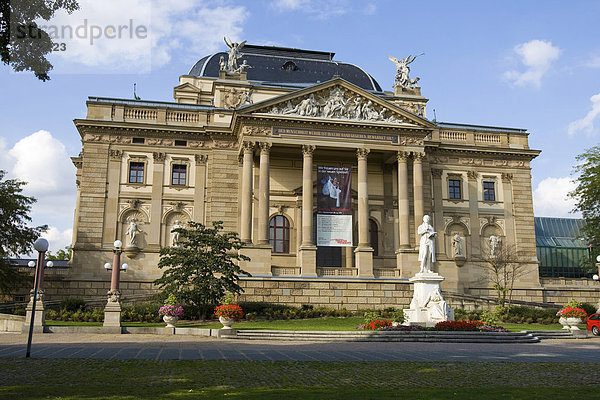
(292, 66)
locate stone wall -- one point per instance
(351, 294)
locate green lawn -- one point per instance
(312, 324)
(137, 379)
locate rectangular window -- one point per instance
(454, 189)
(138, 140)
(178, 176)
(136, 172)
(181, 143)
(489, 193)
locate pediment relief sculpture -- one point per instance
(338, 103)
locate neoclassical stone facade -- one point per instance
(243, 147)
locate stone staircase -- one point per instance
(385, 336)
(558, 334)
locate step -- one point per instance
(389, 336)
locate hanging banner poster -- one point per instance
(334, 206)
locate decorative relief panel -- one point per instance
(338, 103)
(491, 220)
(256, 131)
(135, 205)
(456, 219)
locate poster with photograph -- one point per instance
(334, 206)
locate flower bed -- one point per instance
(475, 326)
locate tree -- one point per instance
(16, 237)
(203, 266)
(23, 45)
(505, 266)
(587, 193)
(62, 254)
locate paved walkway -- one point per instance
(153, 347)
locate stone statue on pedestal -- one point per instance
(494, 243)
(427, 244)
(234, 55)
(403, 70)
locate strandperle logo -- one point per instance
(85, 30)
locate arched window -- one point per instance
(279, 234)
(373, 236)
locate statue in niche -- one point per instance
(457, 245)
(494, 244)
(426, 244)
(175, 234)
(132, 231)
(402, 78)
(234, 54)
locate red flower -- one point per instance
(231, 311)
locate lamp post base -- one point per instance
(112, 314)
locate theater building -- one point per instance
(243, 146)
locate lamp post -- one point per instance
(41, 245)
(112, 311)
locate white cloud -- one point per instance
(594, 62)
(42, 161)
(58, 239)
(550, 198)
(370, 9)
(159, 29)
(586, 124)
(537, 56)
(316, 8)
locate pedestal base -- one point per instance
(427, 306)
(308, 260)
(364, 261)
(39, 321)
(112, 314)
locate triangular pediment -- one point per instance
(187, 87)
(337, 100)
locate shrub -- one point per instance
(489, 317)
(377, 324)
(72, 304)
(588, 308)
(51, 315)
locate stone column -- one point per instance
(157, 199)
(111, 213)
(263, 194)
(403, 210)
(246, 217)
(474, 212)
(200, 189)
(308, 250)
(363, 252)
(507, 198)
(418, 187)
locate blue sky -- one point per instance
(533, 64)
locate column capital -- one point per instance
(472, 174)
(115, 154)
(248, 146)
(507, 177)
(201, 158)
(264, 147)
(362, 153)
(158, 156)
(308, 149)
(403, 156)
(418, 156)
